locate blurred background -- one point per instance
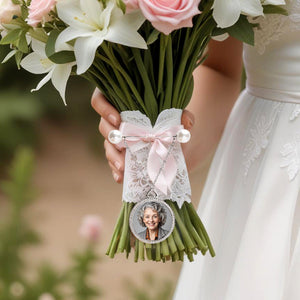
(59, 203)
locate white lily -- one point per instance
(91, 23)
(227, 12)
(37, 62)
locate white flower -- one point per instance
(227, 12)
(8, 10)
(46, 296)
(17, 289)
(90, 24)
(91, 227)
(38, 63)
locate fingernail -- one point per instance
(112, 119)
(117, 165)
(116, 176)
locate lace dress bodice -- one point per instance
(273, 62)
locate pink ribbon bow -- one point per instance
(138, 137)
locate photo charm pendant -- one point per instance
(151, 220)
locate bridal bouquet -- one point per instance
(141, 54)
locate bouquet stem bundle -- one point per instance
(188, 236)
(151, 81)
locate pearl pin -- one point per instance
(115, 136)
(183, 136)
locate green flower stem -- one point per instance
(127, 98)
(161, 66)
(157, 251)
(199, 226)
(149, 251)
(128, 246)
(125, 227)
(114, 82)
(150, 100)
(126, 77)
(185, 234)
(181, 255)
(141, 251)
(115, 238)
(136, 251)
(175, 256)
(169, 75)
(165, 248)
(201, 244)
(177, 239)
(172, 244)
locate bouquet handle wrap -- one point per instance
(154, 164)
(147, 147)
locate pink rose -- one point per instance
(90, 228)
(8, 10)
(39, 11)
(131, 5)
(168, 15)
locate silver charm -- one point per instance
(151, 220)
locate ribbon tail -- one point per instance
(163, 180)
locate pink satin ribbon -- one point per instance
(139, 137)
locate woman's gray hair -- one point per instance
(154, 206)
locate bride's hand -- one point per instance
(110, 119)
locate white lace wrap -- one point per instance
(137, 183)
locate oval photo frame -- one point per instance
(165, 226)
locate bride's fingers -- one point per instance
(118, 176)
(105, 109)
(114, 156)
(105, 127)
(187, 119)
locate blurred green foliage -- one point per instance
(16, 234)
(153, 288)
(21, 112)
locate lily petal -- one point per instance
(253, 8)
(85, 49)
(9, 56)
(226, 12)
(69, 34)
(92, 8)
(35, 64)
(70, 12)
(60, 76)
(43, 81)
(123, 29)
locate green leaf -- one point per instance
(12, 37)
(242, 30)
(218, 31)
(22, 43)
(153, 37)
(61, 57)
(274, 9)
(19, 56)
(50, 45)
(38, 34)
(122, 5)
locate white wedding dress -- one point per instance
(251, 202)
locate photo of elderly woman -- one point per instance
(152, 221)
(152, 216)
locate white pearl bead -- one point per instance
(115, 136)
(183, 136)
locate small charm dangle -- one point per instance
(115, 136)
(152, 220)
(183, 136)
